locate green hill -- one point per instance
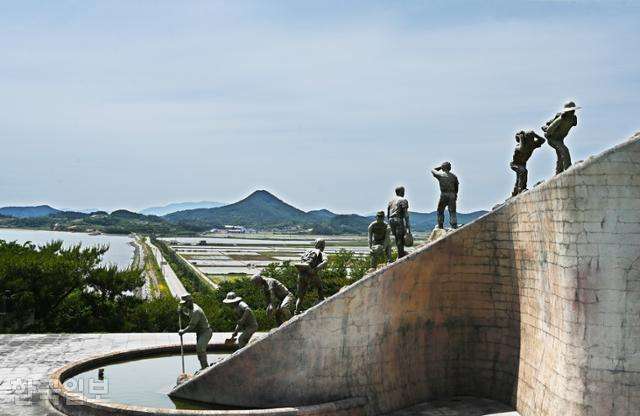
(261, 210)
(28, 212)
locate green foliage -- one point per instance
(56, 289)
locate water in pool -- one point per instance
(144, 382)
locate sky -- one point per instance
(327, 104)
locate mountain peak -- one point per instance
(262, 193)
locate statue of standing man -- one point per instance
(197, 322)
(398, 214)
(379, 240)
(557, 129)
(448, 193)
(527, 142)
(308, 272)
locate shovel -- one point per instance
(182, 376)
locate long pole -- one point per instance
(181, 343)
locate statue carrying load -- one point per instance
(556, 129)
(246, 320)
(197, 322)
(449, 185)
(311, 262)
(279, 299)
(398, 214)
(527, 142)
(379, 240)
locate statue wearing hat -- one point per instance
(398, 214)
(197, 322)
(449, 185)
(279, 299)
(246, 320)
(311, 262)
(556, 129)
(379, 240)
(527, 142)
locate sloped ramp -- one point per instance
(536, 305)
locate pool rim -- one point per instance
(73, 403)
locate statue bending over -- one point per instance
(398, 214)
(448, 193)
(379, 240)
(246, 320)
(197, 322)
(527, 142)
(279, 299)
(556, 129)
(311, 262)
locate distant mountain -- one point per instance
(263, 211)
(259, 210)
(322, 214)
(180, 206)
(28, 212)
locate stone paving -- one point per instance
(27, 361)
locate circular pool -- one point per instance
(141, 382)
(136, 382)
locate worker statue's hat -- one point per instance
(570, 106)
(380, 214)
(185, 298)
(232, 298)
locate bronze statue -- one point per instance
(379, 240)
(556, 129)
(398, 214)
(197, 322)
(448, 193)
(527, 142)
(310, 263)
(278, 297)
(246, 320)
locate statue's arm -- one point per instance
(193, 322)
(273, 299)
(539, 140)
(323, 263)
(370, 235)
(406, 218)
(244, 319)
(457, 184)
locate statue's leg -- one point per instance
(201, 348)
(516, 187)
(559, 163)
(285, 311)
(302, 290)
(246, 335)
(441, 204)
(566, 157)
(524, 178)
(453, 216)
(319, 288)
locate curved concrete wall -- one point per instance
(536, 304)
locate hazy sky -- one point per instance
(328, 104)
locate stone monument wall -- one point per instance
(536, 304)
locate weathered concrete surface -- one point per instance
(457, 406)
(536, 304)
